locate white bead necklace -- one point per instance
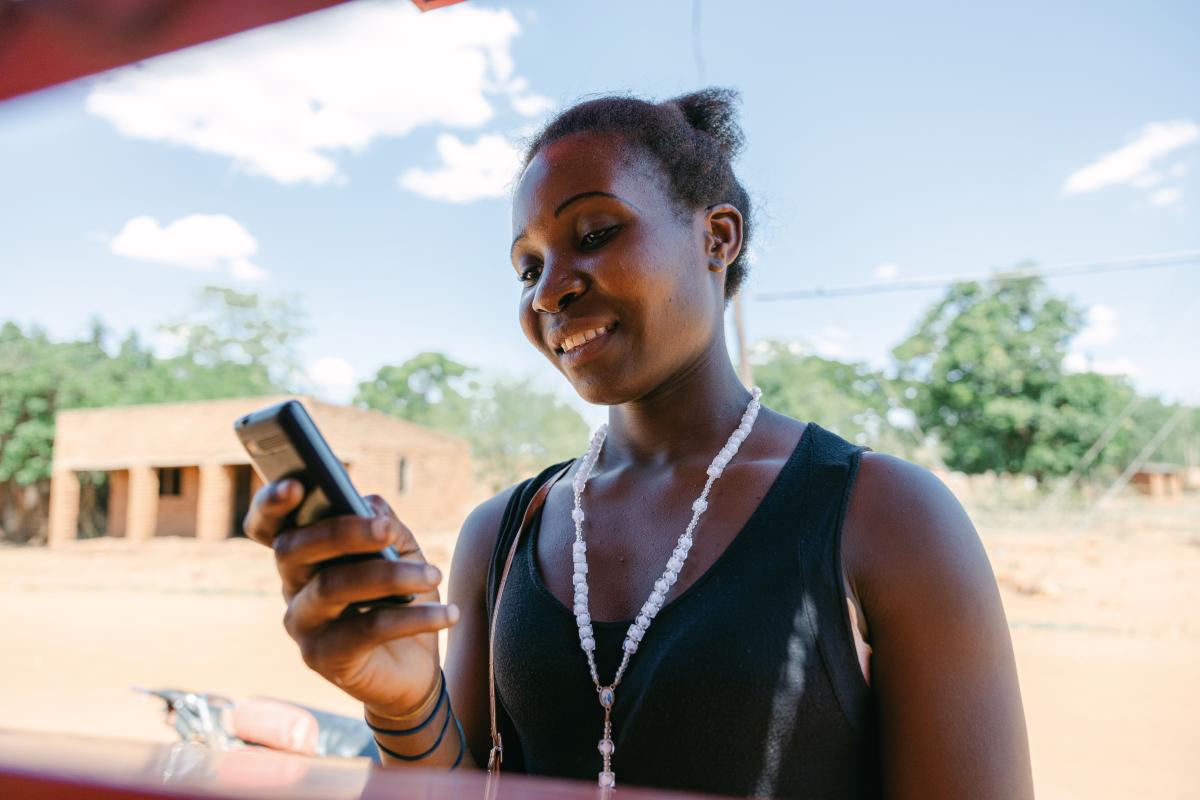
(607, 694)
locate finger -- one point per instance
(348, 640)
(271, 503)
(334, 587)
(406, 542)
(300, 552)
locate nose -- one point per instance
(557, 287)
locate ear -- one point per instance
(722, 235)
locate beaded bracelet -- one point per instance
(442, 695)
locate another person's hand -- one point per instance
(386, 658)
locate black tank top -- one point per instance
(747, 683)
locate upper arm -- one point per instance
(943, 671)
(467, 648)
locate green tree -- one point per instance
(849, 399)
(430, 389)
(33, 372)
(517, 430)
(235, 344)
(514, 429)
(1075, 413)
(236, 339)
(985, 372)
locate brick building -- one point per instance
(1160, 480)
(178, 469)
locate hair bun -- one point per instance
(714, 111)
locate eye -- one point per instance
(526, 277)
(591, 241)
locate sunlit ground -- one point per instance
(1104, 621)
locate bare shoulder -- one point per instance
(903, 522)
(943, 671)
(892, 492)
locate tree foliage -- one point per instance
(985, 372)
(985, 365)
(234, 345)
(849, 399)
(430, 389)
(517, 430)
(514, 429)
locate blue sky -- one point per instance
(358, 158)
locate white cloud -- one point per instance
(1133, 163)
(197, 242)
(333, 378)
(469, 172)
(285, 101)
(1166, 197)
(1147, 180)
(1100, 327)
(526, 102)
(243, 270)
(886, 271)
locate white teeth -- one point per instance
(571, 342)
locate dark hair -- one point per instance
(694, 136)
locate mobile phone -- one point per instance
(284, 442)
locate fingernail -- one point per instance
(452, 613)
(379, 528)
(432, 573)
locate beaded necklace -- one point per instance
(607, 694)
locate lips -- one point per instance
(581, 342)
(579, 339)
(578, 332)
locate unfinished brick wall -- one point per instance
(132, 443)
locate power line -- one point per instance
(1125, 264)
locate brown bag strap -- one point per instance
(497, 752)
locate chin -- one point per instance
(599, 392)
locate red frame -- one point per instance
(51, 41)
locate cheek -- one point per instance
(527, 318)
(672, 303)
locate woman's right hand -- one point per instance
(386, 658)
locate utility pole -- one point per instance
(739, 327)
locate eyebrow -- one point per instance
(573, 198)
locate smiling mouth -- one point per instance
(579, 340)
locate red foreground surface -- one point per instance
(45, 43)
(37, 766)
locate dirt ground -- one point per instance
(1104, 621)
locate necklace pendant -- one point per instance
(608, 778)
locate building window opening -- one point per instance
(404, 483)
(170, 482)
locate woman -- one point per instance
(788, 615)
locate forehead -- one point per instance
(585, 162)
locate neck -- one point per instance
(689, 416)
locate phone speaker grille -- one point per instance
(271, 443)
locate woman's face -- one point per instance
(618, 291)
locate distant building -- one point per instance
(1160, 480)
(178, 469)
